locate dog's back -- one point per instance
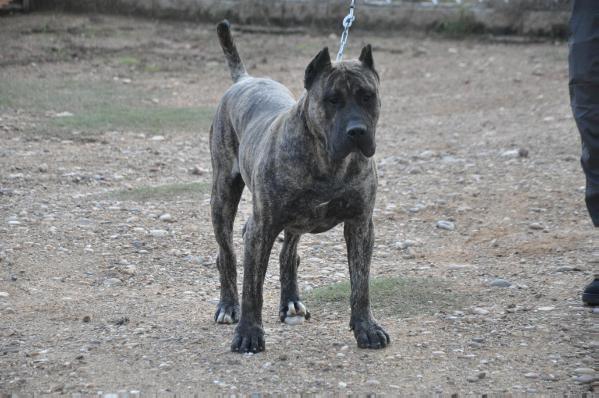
(250, 104)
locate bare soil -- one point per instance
(103, 129)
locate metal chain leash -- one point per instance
(347, 22)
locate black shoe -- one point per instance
(590, 296)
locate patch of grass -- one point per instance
(152, 68)
(394, 296)
(465, 24)
(98, 106)
(129, 61)
(150, 118)
(160, 192)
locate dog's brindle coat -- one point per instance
(309, 167)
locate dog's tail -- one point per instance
(223, 29)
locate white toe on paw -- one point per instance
(302, 308)
(294, 320)
(227, 319)
(221, 317)
(290, 309)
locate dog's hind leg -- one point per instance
(290, 306)
(227, 187)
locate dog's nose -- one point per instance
(356, 132)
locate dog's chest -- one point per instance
(314, 214)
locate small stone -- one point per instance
(373, 382)
(86, 319)
(478, 339)
(294, 320)
(64, 114)
(500, 283)
(531, 375)
(198, 171)
(166, 217)
(446, 225)
(4, 295)
(536, 226)
(549, 308)
(585, 379)
(567, 269)
(480, 311)
(342, 384)
(458, 267)
(584, 371)
(472, 378)
(523, 152)
(43, 168)
(113, 282)
(158, 233)
(129, 269)
(512, 153)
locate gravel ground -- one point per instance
(107, 274)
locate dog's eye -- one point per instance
(333, 99)
(367, 97)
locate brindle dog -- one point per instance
(309, 167)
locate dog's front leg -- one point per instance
(258, 240)
(359, 237)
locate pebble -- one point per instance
(198, 171)
(404, 244)
(584, 371)
(158, 233)
(166, 217)
(531, 375)
(294, 320)
(536, 226)
(457, 267)
(480, 311)
(500, 283)
(585, 379)
(567, 269)
(549, 308)
(43, 168)
(342, 384)
(446, 225)
(4, 294)
(113, 282)
(476, 377)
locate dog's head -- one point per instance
(343, 103)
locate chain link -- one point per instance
(347, 22)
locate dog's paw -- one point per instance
(227, 313)
(370, 335)
(293, 312)
(248, 339)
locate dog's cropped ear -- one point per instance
(319, 64)
(367, 60)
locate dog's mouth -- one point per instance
(367, 148)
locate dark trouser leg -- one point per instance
(584, 93)
(584, 98)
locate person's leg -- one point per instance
(584, 97)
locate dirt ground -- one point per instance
(107, 274)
